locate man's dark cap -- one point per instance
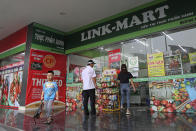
(91, 62)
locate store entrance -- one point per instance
(108, 63)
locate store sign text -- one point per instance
(40, 82)
(156, 62)
(147, 16)
(48, 39)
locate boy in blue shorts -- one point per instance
(49, 92)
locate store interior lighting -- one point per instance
(102, 48)
(121, 43)
(168, 36)
(157, 50)
(184, 50)
(141, 42)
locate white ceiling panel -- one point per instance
(64, 15)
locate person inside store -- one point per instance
(49, 93)
(124, 76)
(89, 84)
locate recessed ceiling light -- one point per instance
(62, 13)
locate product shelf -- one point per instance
(109, 91)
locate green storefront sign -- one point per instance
(48, 39)
(153, 17)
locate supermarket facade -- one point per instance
(155, 41)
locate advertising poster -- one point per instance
(40, 63)
(10, 84)
(155, 65)
(70, 77)
(174, 95)
(192, 57)
(114, 58)
(161, 96)
(133, 65)
(77, 73)
(173, 65)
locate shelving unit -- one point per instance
(109, 91)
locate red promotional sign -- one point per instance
(114, 58)
(40, 63)
(13, 40)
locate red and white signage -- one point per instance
(13, 40)
(114, 55)
(40, 63)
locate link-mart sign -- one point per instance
(157, 14)
(127, 22)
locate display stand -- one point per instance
(109, 91)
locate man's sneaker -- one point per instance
(128, 112)
(121, 107)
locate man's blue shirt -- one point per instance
(50, 89)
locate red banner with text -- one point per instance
(114, 58)
(40, 63)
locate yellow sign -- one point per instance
(192, 57)
(155, 64)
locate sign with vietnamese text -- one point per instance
(192, 57)
(155, 65)
(114, 58)
(156, 14)
(48, 40)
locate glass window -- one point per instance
(182, 45)
(161, 54)
(134, 56)
(156, 55)
(178, 49)
(175, 53)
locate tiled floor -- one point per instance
(140, 120)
